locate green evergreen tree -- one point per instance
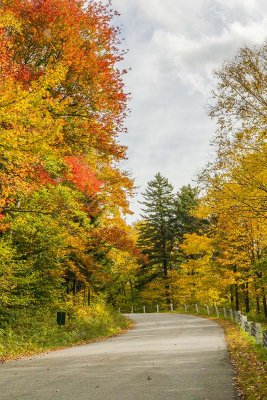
(158, 230)
(166, 217)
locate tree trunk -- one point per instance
(264, 302)
(132, 293)
(236, 298)
(232, 296)
(168, 294)
(258, 305)
(74, 286)
(247, 298)
(88, 297)
(167, 285)
(67, 280)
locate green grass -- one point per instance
(31, 333)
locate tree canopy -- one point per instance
(63, 195)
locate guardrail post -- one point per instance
(185, 307)
(171, 307)
(144, 309)
(208, 309)
(243, 320)
(258, 333)
(157, 308)
(238, 316)
(224, 312)
(132, 309)
(197, 309)
(247, 327)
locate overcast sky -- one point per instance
(174, 45)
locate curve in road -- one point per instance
(165, 357)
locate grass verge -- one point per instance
(36, 332)
(249, 360)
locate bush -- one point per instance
(35, 331)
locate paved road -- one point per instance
(165, 357)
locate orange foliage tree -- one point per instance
(62, 108)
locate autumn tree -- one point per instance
(62, 108)
(65, 53)
(187, 200)
(239, 105)
(235, 182)
(198, 279)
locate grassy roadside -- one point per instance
(33, 333)
(249, 361)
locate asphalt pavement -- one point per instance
(165, 357)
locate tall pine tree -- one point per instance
(158, 230)
(166, 218)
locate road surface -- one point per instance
(166, 357)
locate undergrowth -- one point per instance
(34, 332)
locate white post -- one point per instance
(144, 309)
(208, 309)
(157, 308)
(224, 312)
(197, 310)
(217, 311)
(132, 309)
(185, 307)
(171, 307)
(249, 327)
(244, 319)
(258, 333)
(237, 316)
(264, 339)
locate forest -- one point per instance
(207, 244)
(65, 243)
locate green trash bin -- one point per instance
(61, 317)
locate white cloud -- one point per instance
(174, 47)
